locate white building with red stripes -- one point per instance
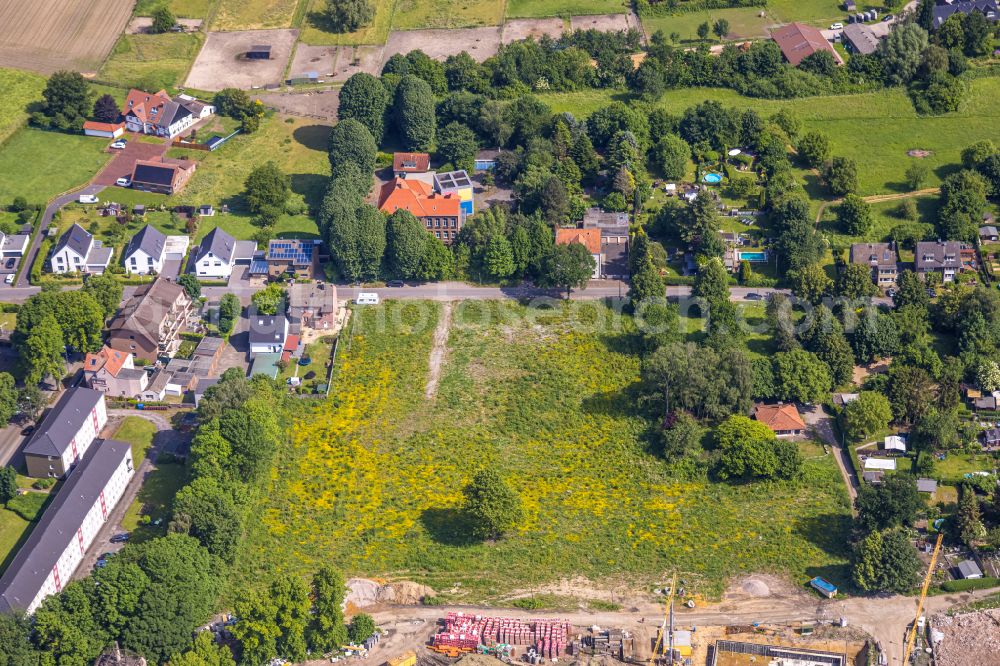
(66, 433)
(46, 562)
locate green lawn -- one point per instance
(955, 465)
(241, 228)
(139, 433)
(876, 129)
(885, 218)
(151, 62)
(13, 532)
(154, 500)
(39, 165)
(377, 32)
(19, 89)
(180, 8)
(371, 479)
(414, 14)
(536, 8)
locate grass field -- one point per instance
(154, 500)
(152, 62)
(377, 32)
(370, 480)
(139, 433)
(38, 165)
(180, 8)
(537, 8)
(20, 88)
(13, 530)
(414, 14)
(876, 129)
(241, 228)
(254, 14)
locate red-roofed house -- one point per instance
(407, 163)
(156, 113)
(589, 238)
(113, 372)
(440, 213)
(798, 41)
(106, 130)
(783, 419)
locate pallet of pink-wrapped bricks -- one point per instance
(548, 637)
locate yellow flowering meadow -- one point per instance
(371, 479)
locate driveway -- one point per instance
(821, 424)
(124, 162)
(171, 268)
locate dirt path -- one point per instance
(438, 351)
(877, 198)
(821, 424)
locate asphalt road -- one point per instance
(50, 211)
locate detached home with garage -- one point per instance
(218, 254)
(149, 248)
(157, 114)
(162, 176)
(268, 334)
(66, 433)
(77, 251)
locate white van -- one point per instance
(366, 298)
(88, 198)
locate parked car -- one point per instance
(754, 296)
(88, 199)
(9, 279)
(121, 537)
(369, 298)
(27, 431)
(887, 18)
(394, 283)
(10, 263)
(837, 26)
(119, 144)
(123, 181)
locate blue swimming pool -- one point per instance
(712, 178)
(753, 256)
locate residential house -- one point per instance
(103, 130)
(486, 160)
(293, 256)
(986, 403)
(219, 253)
(844, 399)
(156, 389)
(157, 114)
(150, 324)
(860, 38)
(49, 558)
(614, 241)
(268, 334)
(312, 305)
(66, 433)
(798, 41)
(163, 176)
(783, 419)
(441, 214)
(406, 165)
(589, 238)
(969, 570)
(144, 253)
(991, 439)
(78, 252)
(113, 372)
(988, 234)
(457, 184)
(881, 257)
(948, 258)
(945, 8)
(14, 245)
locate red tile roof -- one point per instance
(589, 238)
(779, 417)
(103, 127)
(142, 104)
(111, 359)
(291, 343)
(417, 197)
(797, 41)
(411, 162)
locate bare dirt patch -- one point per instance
(221, 63)
(354, 59)
(602, 22)
(365, 592)
(480, 43)
(140, 25)
(517, 29)
(438, 352)
(319, 59)
(319, 104)
(919, 153)
(970, 638)
(48, 35)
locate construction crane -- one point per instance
(667, 618)
(912, 637)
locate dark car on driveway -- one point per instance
(394, 283)
(120, 538)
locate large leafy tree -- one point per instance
(406, 244)
(800, 376)
(8, 484)
(414, 113)
(810, 283)
(885, 561)
(909, 388)
(267, 189)
(875, 336)
(814, 147)
(351, 143)
(568, 267)
(68, 99)
(106, 109)
(40, 353)
(204, 652)
(457, 145)
(748, 449)
(841, 175)
(326, 629)
(712, 283)
(207, 511)
(15, 641)
(365, 99)
(357, 242)
(855, 215)
(855, 281)
(892, 503)
(671, 154)
(492, 507)
(701, 380)
(8, 397)
(865, 416)
(106, 290)
(163, 20)
(79, 316)
(902, 52)
(348, 15)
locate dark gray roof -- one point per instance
(265, 329)
(172, 112)
(149, 239)
(77, 239)
(926, 485)
(932, 255)
(53, 437)
(59, 524)
(861, 37)
(219, 243)
(155, 173)
(987, 8)
(969, 569)
(873, 254)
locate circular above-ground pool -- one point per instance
(712, 178)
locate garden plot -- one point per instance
(480, 43)
(604, 22)
(517, 29)
(48, 35)
(221, 63)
